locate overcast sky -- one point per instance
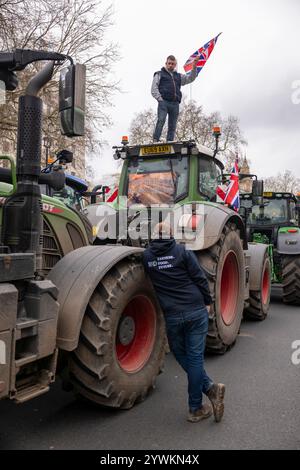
(250, 74)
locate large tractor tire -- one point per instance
(291, 279)
(259, 301)
(122, 340)
(224, 266)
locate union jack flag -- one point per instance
(203, 53)
(231, 195)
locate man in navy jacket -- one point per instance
(183, 293)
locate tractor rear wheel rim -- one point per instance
(136, 334)
(265, 285)
(229, 288)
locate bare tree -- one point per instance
(7, 7)
(194, 124)
(109, 179)
(74, 27)
(142, 126)
(283, 182)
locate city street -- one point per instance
(261, 412)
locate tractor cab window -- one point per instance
(271, 211)
(247, 203)
(69, 197)
(209, 177)
(157, 181)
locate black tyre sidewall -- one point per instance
(291, 279)
(118, 387)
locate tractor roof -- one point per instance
(160, 149)
(76, 183)
(272, 195)
(71, 180)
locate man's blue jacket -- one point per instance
(178, 279)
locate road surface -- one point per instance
(262, 403)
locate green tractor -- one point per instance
(275, 219)
(65, 228)
(177, 182)
(85, 312)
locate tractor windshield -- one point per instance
(157, 181)
(271, 211)
(209, 177)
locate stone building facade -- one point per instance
(246, 183)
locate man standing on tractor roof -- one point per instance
(166, 90)
(183, 293)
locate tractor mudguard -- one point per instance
(257, 253)
(76, 276)
(215, 219)
(288, 243)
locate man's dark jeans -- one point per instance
(170, 108)
(186, 334)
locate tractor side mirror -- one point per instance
(258, 188)
(65, 156)
(258, 192)
(72, 100)
(9, 79)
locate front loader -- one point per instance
(66, 307)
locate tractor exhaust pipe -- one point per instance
(22, 213)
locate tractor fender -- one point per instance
(76, 276)
(215, 218)
(289, 243)
(257, 253)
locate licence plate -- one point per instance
(156, 149)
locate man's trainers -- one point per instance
(204, 412)
(216, 396)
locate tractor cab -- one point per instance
(72, 193)
(277, 212)
(73, 188)
(168, 173)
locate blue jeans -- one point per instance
(170, 108)
(187, 334)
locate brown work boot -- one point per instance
(204, 412)
(216, 396)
